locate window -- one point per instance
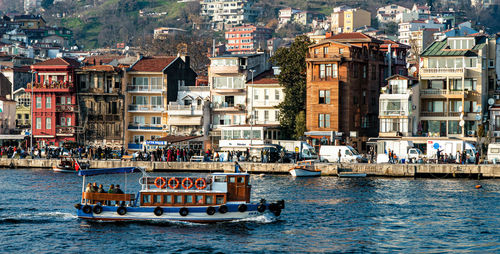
(241, 179)
(325, 50)
(48, 102)
(266, 115)
(48, 123)
(219, 199)
(146, 198)
(255, 95)
(38, 102)
(334, 71)
(178, 199)
(140, 100)
(156, 83)
(341, 51)
(266, 94)
(189, 199)
(156, 120)
(324, 121)
(38, 123)
(209, 200)
(454, 127)
(199, 199)
(324, 97)
(138, 139)
(232, 179)
(167, 199)
(63, 121)
(141, 83)
(364, 71)
(156, 199)
(68, 100)
(277, 94)
(322, 71)
(139, 120)
(68, 121)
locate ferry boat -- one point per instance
(305, 168)
(68, 164)
(216, 198)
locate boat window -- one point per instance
(219, 199)
(220, 179)
(232, 179)
(156, 199)
(178, 199)
(167, 199)
(199, 199)
(209, 199)
(241, 179)
(146, 198)
(189, 199)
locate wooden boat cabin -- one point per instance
(217, 189)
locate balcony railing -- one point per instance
(145, 127)
(448, 92)
(441, 114)
(156, 89)
(433, 91)
(154, 108)
(393, 113)
(227, 106)
(65, 129)
(52, 85)
(442, 70)
(66, 108)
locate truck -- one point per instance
(403, 149)
(494, 153)
(302, 148)
(347, 154)
(450, 148)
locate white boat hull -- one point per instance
(297, 172)
(63, 170)
(352, 175)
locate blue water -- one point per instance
(324, 214)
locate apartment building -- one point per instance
(389, 13)
(455, 78)
(264, 95)
(245, 39)
(54, 107)
(23, 110)
(347, 20)
(224, 14)
(152, 82)
(398, 112)
(344, 76)
(286, 16)
(418, 30)
(101, 103)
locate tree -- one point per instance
(300, 124)
(292, 78)
(47, 3)
(391, 28)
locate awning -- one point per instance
(16, 137)
(102, 171)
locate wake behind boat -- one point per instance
(218, 197)
(305, 168)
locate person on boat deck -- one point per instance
(100, 189)
(94, 187)
(89, 188)
(118, 190)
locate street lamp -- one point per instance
(31, 112)
(252, 114)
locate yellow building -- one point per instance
(348, 20)
(23, 112)
(151, 83)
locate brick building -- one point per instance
(244, 39)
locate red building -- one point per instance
(55, 107)
(244, 39)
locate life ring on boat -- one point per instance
(97, 209)
(223, 209)
(201, 186)
(87, 209)
(184, 211)
(170, 181)
(242, 208)
(187, 179)
(261, 208)
(210, 210)
(158, 180)
(158, 211)
(121, 210)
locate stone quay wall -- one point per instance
(381, 170)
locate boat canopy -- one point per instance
(102, 171)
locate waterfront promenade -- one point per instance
(381, 170)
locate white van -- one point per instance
(331, 154)
(494, 153)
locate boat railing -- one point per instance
(150, 183)
(104, 198)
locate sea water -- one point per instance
(322, 214)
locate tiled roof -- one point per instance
(265, 78)
(351, 37)
(153, 64)
(60, 61)
(101, 59)
(440, 48)
(107, 68)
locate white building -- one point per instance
(264, 94)
(407, 28)
(224, 14)
(389, 13)
(398, 111)
(190, 114)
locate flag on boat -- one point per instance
(77, 165)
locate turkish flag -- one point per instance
(77, 166)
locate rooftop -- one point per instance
(441, 48)
(60, 61)
(153, 64)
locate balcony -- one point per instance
(329, 56)
(66, 108)
(144, 89)
(227, 107)
(185, 110)
(146, 108)
(442, 71)
(62, 86)
(144, 127)
(65, 130)
(393, 113)
(441, 114)
(225, 69)
(111, 118)
(458, 94)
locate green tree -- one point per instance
(47, 3)
(292, 78)
(300, 124)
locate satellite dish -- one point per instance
(491, 101)
(461, 123)
(126, 48)
(460, 108)
(413, 71)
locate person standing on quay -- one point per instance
(339, 156)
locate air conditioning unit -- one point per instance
(414, 107)
(495, 134)
(497, 96)
(471, 133)
(164, 126)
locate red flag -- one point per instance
(77, 166)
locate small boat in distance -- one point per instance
(305, 168)
(216, 198)
(351, 175)
(68, 164)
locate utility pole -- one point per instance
(252, 114)
(31, 112)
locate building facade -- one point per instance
(347, 20)
(224, 14)
(23, 110)
(245, 39)
(101, 104)
(389, 13)
(54, 107)
(263, 96)
(455, 80)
